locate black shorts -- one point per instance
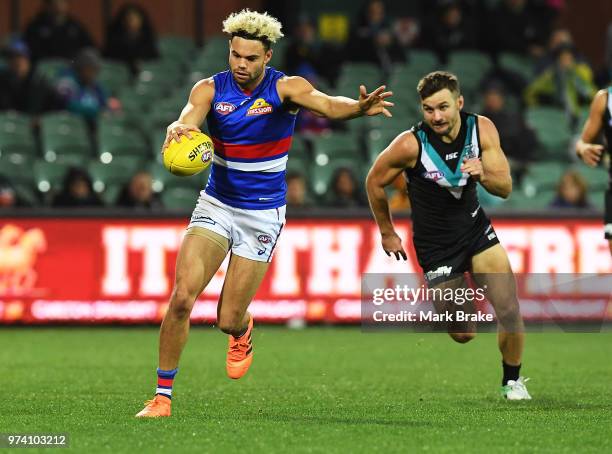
(608, 215)
(440, 265)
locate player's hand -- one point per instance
(392, 244)
(591, 153)
(473, 167)
(175, 131)
(374, 103)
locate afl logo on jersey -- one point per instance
(259, 107)
(224, 108)
(434, 175)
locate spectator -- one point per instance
(22, 89)
(54, 33)
(517, 140)
(77, 191)
(345, 190)
(450, 30)
(571, 192)
(296, 191)
(8, 195)
(83, 94)
(303, 57)
(567, 84)
(130, 38)
(518, 26)
(138, 193)
(399, 200)
(558, 38)
(373, 40)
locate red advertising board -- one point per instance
(111, 270)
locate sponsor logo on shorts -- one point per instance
(491, 236)
(265, 239)
(261, 251)
(440, 271)
(224, 108)
(434, 175)
(259, 107)
(475, 213)
(608, 229)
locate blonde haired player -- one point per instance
(250, 110)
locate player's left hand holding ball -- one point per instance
(473, 167)
(374, 103)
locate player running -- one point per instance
(251, 111)
(600, 119)
(442, 159)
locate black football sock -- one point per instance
(510, 373)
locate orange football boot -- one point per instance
(240, 353)
(157, 407)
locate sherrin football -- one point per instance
(189, 156)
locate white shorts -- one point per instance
(252, 233)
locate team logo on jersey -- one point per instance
(259, 107)
(434, 175)
(470, 151)
(224, 108)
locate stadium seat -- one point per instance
(49, 176)
(520, 64)
(52, 68)
(596, 177)
(422, 61)
(321, 175)
(299, 148)
(597, 199)
(118, 171)
(377, 141)
(110, 194)
(335, 146)
(179, 199)
(176, 48)
(16, 139)
(17, 171)
(542, 175)
(114, 76)
(62, 135)
(161, 72)
(552, 130)
(194, 182)
(216, 47)
(367, 74)
(121, 142)
(12, 122)
(519, 200)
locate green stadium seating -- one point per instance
(596, 177)
(12, 122)
(367, 74)
(597, 199)
(110, 194)
(520, 64)
(117, 172)
(299, 148)
(552, 130)
(16, 139)
(17, 171)
(52, 68)
(49, 176)
(335, 146)
(114, 76)
(541, 176)
(176, 48)
(179, 199)
(160, 72)
(126, 143)
(377, 141)
(194, 182)
(422, 61)
(321, 175)
(64, 136)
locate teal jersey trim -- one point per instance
(452, 177)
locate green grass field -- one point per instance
(313, 390)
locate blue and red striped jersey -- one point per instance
(252, 135)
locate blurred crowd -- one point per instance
(559, 76)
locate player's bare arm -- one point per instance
(586, 149)
(298, 91)
(194, 112)
(402, 153)
(492, 171)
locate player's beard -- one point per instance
(250, 77)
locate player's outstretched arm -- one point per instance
(493, 171)
(194, 112)
(298, 91)
(401, 153)
(586, 149)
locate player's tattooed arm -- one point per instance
(401, 153)
(194, 112)
(586, 149)
(493, 170)
(298, 91)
